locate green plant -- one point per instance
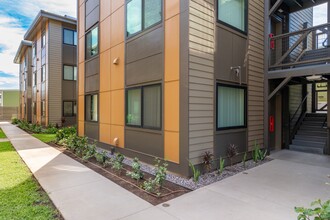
(320, 212)
(222, 165)
(232, 151)
(102, 157)
(136, 172)
(207, 160)
(117, 162)
(149, 185)
(244, 159)
(15, 121)
(196, 172)
(65, 132)
(161, 172)
(258, 154)
(89, 152)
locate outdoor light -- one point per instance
(314, 78)
(116, 61)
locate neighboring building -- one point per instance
(9, 98)
(171, 79)
(48, 70)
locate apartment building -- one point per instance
(171, 79)
(48, 71)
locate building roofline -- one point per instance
(22, 46)
(45, 14)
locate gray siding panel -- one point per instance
(55, 73)
(201, 78)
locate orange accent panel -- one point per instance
(117, 27)
(172, 7)
(81, 108)
(105, 71)
(81, 55)
(105, 133)
(105, 34)
(171, 105)
(81, 21)
(117, 71)
(104, 107)
(117, 107)
(172, 51)
(115, 4)
(81, 79)
(81, 128)
(117, 132)
(172, 146)
(105, 9)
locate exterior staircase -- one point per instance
(316, 54)
(311, 136)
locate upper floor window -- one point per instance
(142, 14)
(233, 13)
(34, 50)
(43, 108)
(70, 37)
(69, 72)
(34, 78)
(92, 43)
(43, 39)
(69, 108)
(43, 73)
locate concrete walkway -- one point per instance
(270, 191)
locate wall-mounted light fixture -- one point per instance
(116, 141)
(237, 72)
(116, 61)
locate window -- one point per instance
(231, 107)
(43, 108)
(69, 108)
(34, 50)
(69, 72)
(92, 43)
(142, 14)
(43, 40)
(43, 73)
(70, 37)
(34, 78)
(91, 108)
(34, 108)
(233, 13)
(144, 107)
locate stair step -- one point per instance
(312, 150)
(308, 143)
(312, 133)
(314, 119)
(310, 138)
(313, 123)
(312, 128)
(316, 115)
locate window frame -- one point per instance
(34, 79)
(43, 41)
(246, 17)
(73, 38)
(142, 19)
(98, 42)
(217, 106)
(43, 108)
(73, 78)
(98, 105)
(73, 114)
(43, 73)
(142, 109)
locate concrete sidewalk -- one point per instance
(270, 191)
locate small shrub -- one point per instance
(136, 172)
(117, 162)
(89, 152)
(161, 172)
(51, 129)
(258, 154)
(149, 185)
(244, 159)
(196, 172)
(65, 132)
(15, 121)
(321, 212)
(232, 151)
(207, 161)
(102, 158)
(222, 165)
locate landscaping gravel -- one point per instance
(204, 179)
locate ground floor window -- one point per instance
(43, 108)
(231, 107)
(91, 107)
(143, 107)
(69, 108)
(34, 108)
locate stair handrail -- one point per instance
(299, 121)
(326, 40)
(325, 121)
(300, 105)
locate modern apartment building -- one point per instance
(48, 70)
(172, 79)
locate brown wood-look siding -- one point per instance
(255, 116)
(54, 73)
(201, 78)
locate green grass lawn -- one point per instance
(2, 134)
(45, 137)
(21, 197)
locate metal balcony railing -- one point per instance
(300, 48)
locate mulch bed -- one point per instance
(169, 190)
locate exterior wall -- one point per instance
(81, 68)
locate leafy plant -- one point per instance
(161, 172)
(102, 157)
(196, 172)
(89, 152)
(136, 172)
(149, 185)
(65, 132)
(117, 162)
(207, 160)
(320, 212)
(232, 151)
(15, 121)
(222, 165)
(244, 159)
(258, 154)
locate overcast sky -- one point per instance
(17, 15)
(15, 18)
